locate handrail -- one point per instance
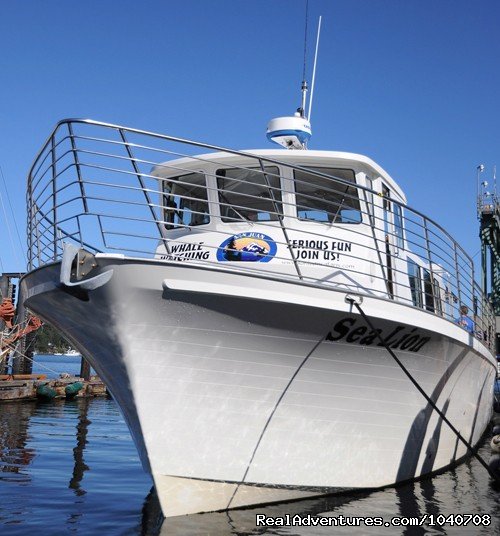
(100, 192)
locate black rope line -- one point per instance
(423, 393)
(272, 414)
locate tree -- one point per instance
(49, 340)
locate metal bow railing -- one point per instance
(109, 188)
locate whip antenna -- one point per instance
(314, 70)
(302, 109)
(293, 132)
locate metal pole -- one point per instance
(29, 226)
(280, 219)
(478, 201)
(161, 229)
(54, 191)
(371, 217)
(21, 365)
(85, 369)
(314, 72)
(457, 274)
(78, 169)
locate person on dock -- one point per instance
(464, 320)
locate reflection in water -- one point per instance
(72, 466)
(15, 455)
(68, 466)
(79, 466)
(152, 517)
(81, 440)
(463, 490)
(431, 503)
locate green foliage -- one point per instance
(49, 341)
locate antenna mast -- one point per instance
(302, 109)
(293, 132)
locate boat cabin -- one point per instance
(327, 219)
(323, 217)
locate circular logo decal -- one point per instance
(247, 247)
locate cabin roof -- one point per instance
(299, 158)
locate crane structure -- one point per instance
(488, 210)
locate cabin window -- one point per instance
(369, 194)
(428, 291)
(387, 207)
(249, 194)
(398, 226)
(185, 201)
(324, 199)
(437, 297)
(415, 283)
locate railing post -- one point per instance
(54, 197)
(137, 172)
(372, 218)
(78, 169)
(29, 226)
(280, 219)
(79, 230)
(474, 296)
(457, 274)
(38, 250)
(429, 258)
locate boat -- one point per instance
(72, 353)
(242, 307)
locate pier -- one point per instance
(17, 382)
(23, 387)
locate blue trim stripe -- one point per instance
(301, 135)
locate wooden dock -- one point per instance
(21, 387)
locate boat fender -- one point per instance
(73, 389)
(69, 253)
(44, 392)
(495, 444)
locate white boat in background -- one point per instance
(212, 290)
(72, 353)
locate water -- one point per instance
(71, 467)
(53, 365)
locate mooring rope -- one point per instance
(422, 392)
(271, 415)
(19, 353)
(13, 215)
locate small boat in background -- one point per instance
(72, 353)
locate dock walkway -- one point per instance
(24, 387)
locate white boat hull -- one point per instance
(236, 396)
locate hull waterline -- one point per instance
(242, 398)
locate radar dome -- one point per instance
(292, 132)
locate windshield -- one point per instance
(185, 201)
(249, 194)
(324, 199)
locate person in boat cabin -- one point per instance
(464, 321)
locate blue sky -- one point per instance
(413, 84)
